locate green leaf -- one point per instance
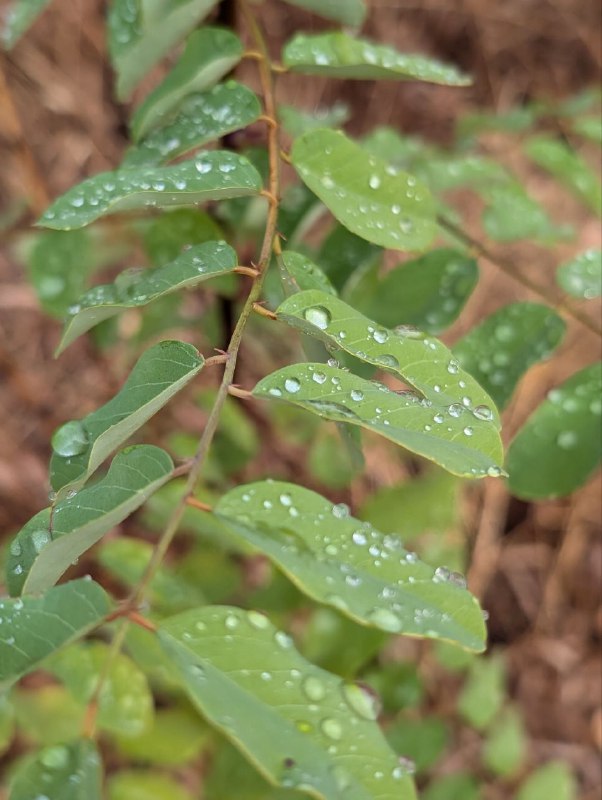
(140, 34)
(350, 12)
(559, 447)
(35, 627)
(305, 274)
(127, 559)
(210, 53)
(7, 723)
(48, 714)
(428, 292)
(423, 362)
(329, 462)
(397, 684)
(173, 231)
(368, 196)
(81, 446)
(336, 643)
(70, 771)
(136, 288)
(18, 18)
(296, 121)
(461, 441)
(46, 546)
(506, 744)
(338, 55)
(211, 175)
(299, 210)
(582, 276)
(483, 693)
(125, 704)
(459, 786)
(343, 254)
(203, 117)
(568, 167)
(512, 215)
(176, 737)
(137, 784)
(552, 781)
(347, 564)
(589, 128)
(501, 349)
(420, 740)
(300, 726)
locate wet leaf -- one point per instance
(338, 55)
(136, 288)
(351, 12)
(419, 360)
(347, 564)
(70, 771)
(46, 546)
(459, 441)
(35, 627)
(368, 196)
(137, 784)
(305, 274)
(421, 740)
(501, 349)
(300, 726)
(582, 276)
(47, 714)
(552, 781)
(18, 18)
(174, 231)
(140, 34)
(559, 447)
(176, 737)
(209, 55)
(202, 117)
(343, 255)
(296, 121)
(512, 215)
(125, 704)
(160, 372)
(214, 175)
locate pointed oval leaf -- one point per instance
(423, 362)
(202, 118)
(211, 175)
(210, 53)
(559, 447)
(300, 726)
(511, 214)
(349, 12)
(338, 55)
(368, 196)
(453, 437)
(348, 564)
(135, 288)
(39, 555)
(297, 121)
(35, 627)
(18, 18)
(140, 34)
(343, 254)
(70, 771)
(125, 704)
(553, 780)
(582, 276)
(501, 349)
(177, 736)
(304, 274)
(157, 376)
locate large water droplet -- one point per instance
(314, 689)
(340, 511)
(332, 728)
(257, 620)
(566, 440)
(385, 619)
(70, 439)
(292, 385)
(55, 757)
(362, 700)
(380, 335)
(357, 395)
(483, 412)
(318, 316)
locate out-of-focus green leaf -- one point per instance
(7, 723)
(484, 692)
(133, 289)
(568, 167)
(304, 274)
(138, 784)
(140, 34)
(459, 786)
(428, 292)
(214, 175)
(367, 195)
(559, 446)
(70, 771)
(125, 704)
(81, 446)
(299, 210)
(501, 349)
(349, 12)
(460, 442)
(46, 546)
(210, 53)
(505, 748)
(423, 362)
(347, 564)
(589, 127)
(48, 714)
(338, 55)
(512, 215)
(453, 658)
(397, 684)
(582, 276)
(329, 462)
(176, 736)
(553, 781)
(237, 440)
(420, 740)
(18, 18)
(295, 121)
(343, 254)
(167, 235)
(300, 726)
(38, 626)
(202, 117)
(515, 120)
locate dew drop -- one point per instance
(318, 377)
(55, 757)
(70, 439)
(483, 412)
(318, 316)
(313, 688)
(286, 499)
(455, 410)
(468, 431)
(380, 335)
(357, 395)
(385, 619)
(340, 511)
(332, 728)
(257, 620)
(566, 440)
(292, 385)
(362, 700)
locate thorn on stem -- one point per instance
(250, 271)
(258, 308)
(236, 391)
(192, 501)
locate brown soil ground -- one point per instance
(538, 568)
